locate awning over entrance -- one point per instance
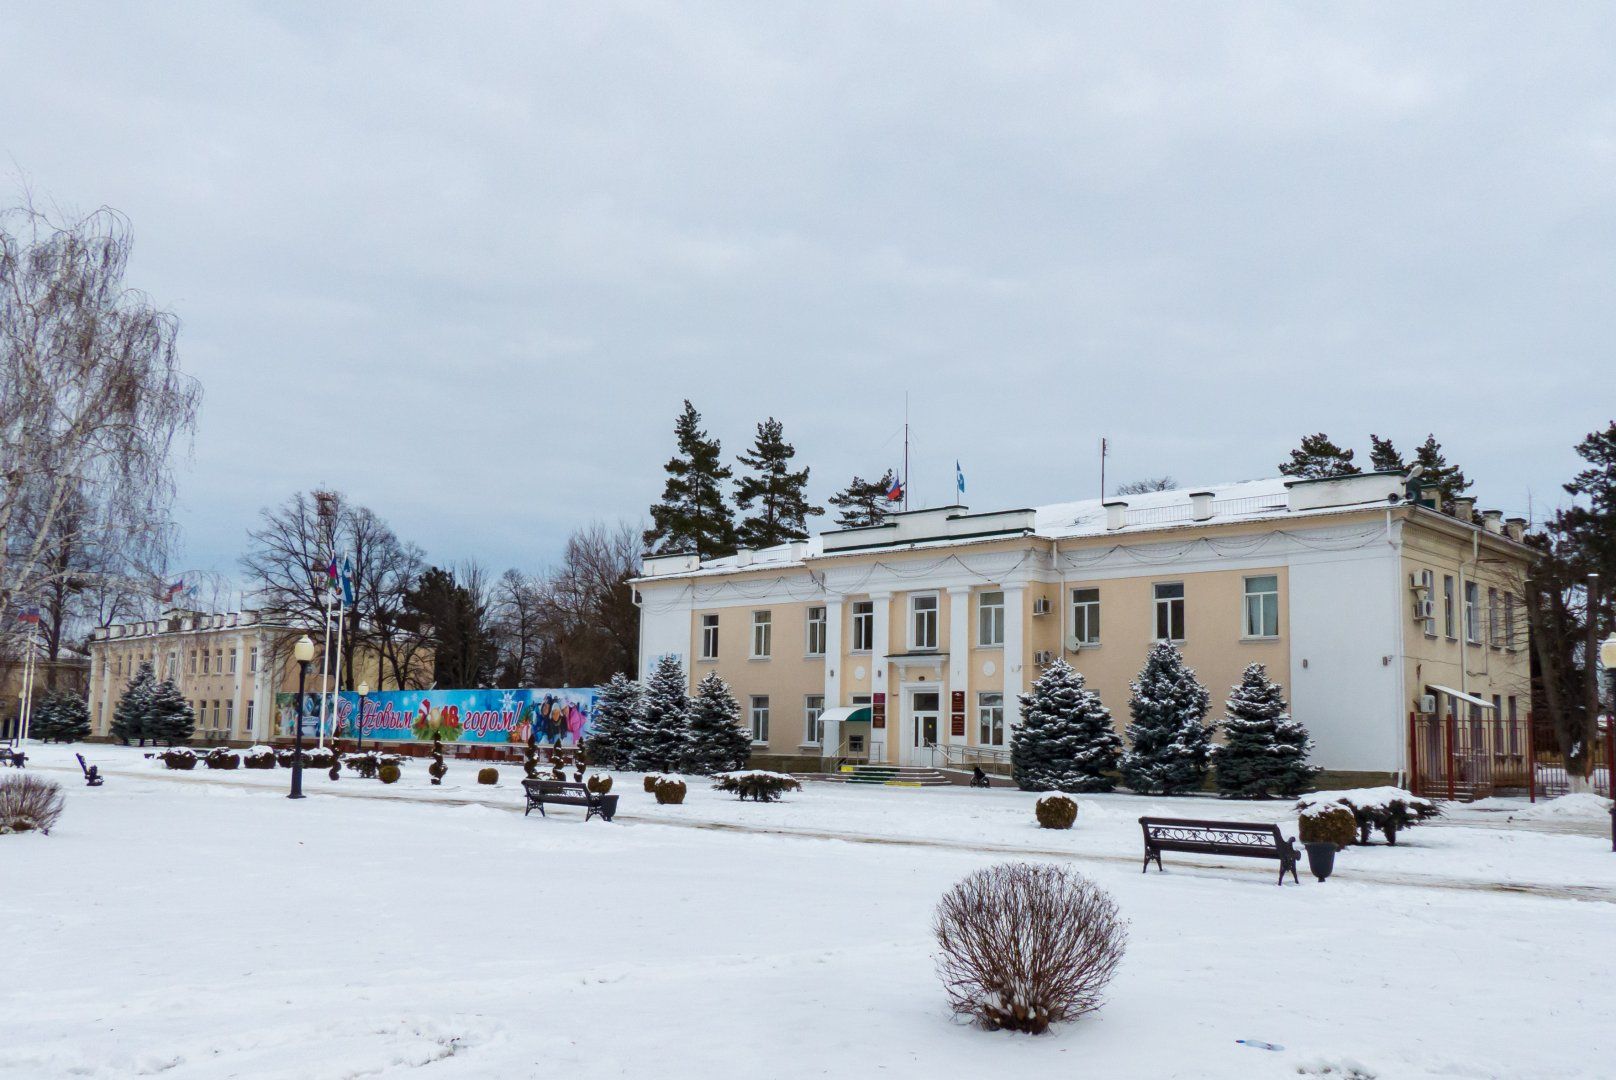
(1460, 694)
(861, 714)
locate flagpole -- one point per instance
(341, 607)
(26, 717)
(325, 665)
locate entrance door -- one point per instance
(925, 717)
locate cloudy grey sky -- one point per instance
(463, 261)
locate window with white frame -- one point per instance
(1472, 612)
(990, 719)
(813, 707)
(1169, 611)
(249, 716)
(173, 665)
(762, 634)
(759, 716)
(252, 660)
(204, 661)
(816, 631)
(230, 713)
(1086, 616)
(1262, 606)
(1495, 621)
(990, 618)
(709, 637)
(232, 661)
(1509, 620)
(923, 621)
(863, 625)
(1447, 604)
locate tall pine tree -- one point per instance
(1383, 456)
(1449, 479)
(1170, 739)
(1590, 524)
(779, 493)
(693, 515)
(1264, 751)
(1318, 458)
(862, 502)
(662, 726)
(718, 743)
(169, 718)
(611, 738)
(1066, 741)
(129, 717)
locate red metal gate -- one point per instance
(1479, 755)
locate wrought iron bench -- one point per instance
(566, 793)
(15, 758)
(1218, 838)
(92, 773)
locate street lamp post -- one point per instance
(1607, 656)
(303, 653)
(359, 725)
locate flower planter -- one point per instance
(1320, 858)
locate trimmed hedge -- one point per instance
(489, 775)
(670, 791)
(222, 758)
(756, 784)
(388, 774)
(1328, 825)
(179, 757)
(1056, 812)
(599, 783)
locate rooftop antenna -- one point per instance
(906, 451)
(1104, 449)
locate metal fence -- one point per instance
(1479, 755)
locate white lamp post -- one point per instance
(303, 653)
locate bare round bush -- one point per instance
(1026, 945)
(28, 803)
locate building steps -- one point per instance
(883, 775)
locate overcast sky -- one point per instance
(464, 261)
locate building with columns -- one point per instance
(908, 642)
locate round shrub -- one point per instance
(1026, 945)
(756, 784)
(489, 775)
(599, 783)
(179, 757)
(258, 757)
(222, 758)
(670, 791)
(29, 803)
(1056, 812)
(388, 774)
(1328, 825)
(318, 757)
(651, 782)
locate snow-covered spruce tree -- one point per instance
(662, 723)
(168, 718)
(1066, 741)
(611, 738)
(63, 716)
(129, 717)
(1255, 761)
(717, 742)
(1170, 741)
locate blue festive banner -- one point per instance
(555, 717)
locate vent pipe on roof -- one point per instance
(1515, 528)
(1493, 521)
(1201, 505)
(1116, 514)
(1464, 508)
(743, 556)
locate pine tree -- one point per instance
(1591, 523)
(63, 716)
(1264, 751)
(1170, 738)
(169, 717)
(662, 725)
(693, 515)
(862, 502)
(129, 718)
(718, 743)
(1383, 456)
(1449, 479)
(611, 738)
(1066, 741)
(1317, 458)
(781, 496)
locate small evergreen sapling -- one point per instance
(662, 722)
(1066, 740)
(1170, 739)
(717, 741)
(611, 740)
(1264, 751)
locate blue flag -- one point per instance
(347, 581)
(959, 477)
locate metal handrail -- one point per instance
(959, 754)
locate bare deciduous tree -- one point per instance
(1147, 485)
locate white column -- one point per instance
(959, 657)
(833, 653)
(882, 603)
(239, 680)
(1015, 654)
(97, 662)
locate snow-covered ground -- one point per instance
(200, 925)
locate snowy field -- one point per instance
(200, 925)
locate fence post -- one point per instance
(1610, 762)
(1447, 737)
(1531, 758)
(1413, 755)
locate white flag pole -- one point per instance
(25, 719)
(340, 620)
(325, 666)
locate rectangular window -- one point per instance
(1086, 616)
(1170, 611)
(1262, 606)
(1447, 604)
(252, 660)
(859, 701)
(1472, 613)
(816, 631)
(1495, 621)
(1509, 621)
(232, 661)
(863, 625)
(813, 707)
(1514, 728)
(709, 637)
(249, 717)
(218, 660)
(760, 719)
(230, 714)
(762, 634)
(990, 618)
(204, 661)
(990, 719)
(173, 665)
(216, 712)
(923, 621)
(193, 661)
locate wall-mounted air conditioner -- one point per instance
(1043, 657)
(1421, 580)
(1040, 605)
(1424, 608)
(1427, 704)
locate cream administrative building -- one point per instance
(907, 642)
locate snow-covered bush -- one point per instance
(651, 782)
(1328, 823)
(1388, 809)
(670, 791)
(1264, 751)
(1170, 741)
(259, 757)
(717, 743)
(222, 757)
(661, 733)
(611, 742)
(1066, 740)
(1056, 812)
(756, 784)
(318, 757)
(488, 775)
(63, 716)
(29, 803)
(179, 757)
(1027, 945)
(599, 783)
(388, 774)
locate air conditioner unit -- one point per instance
(1421, 580)
(1043, 658)
(1427, 704)
(1040, 606)
(1424, 608)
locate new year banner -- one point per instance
(556, 717)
